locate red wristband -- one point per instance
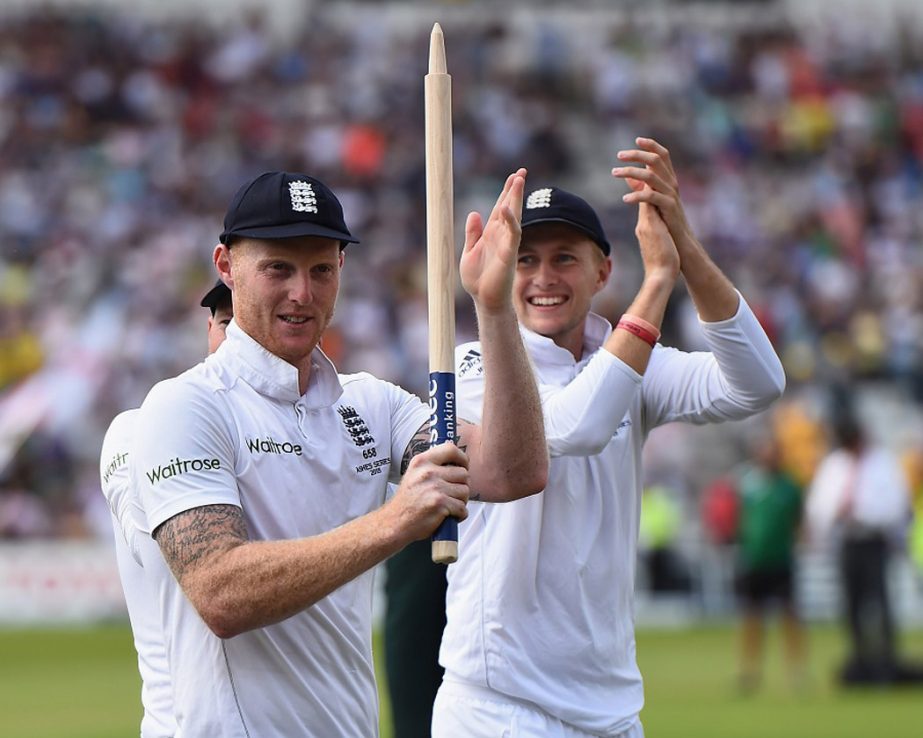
(629, 324)
(642, 323)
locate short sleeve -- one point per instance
(114, 477)
(183, 454)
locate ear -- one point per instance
(603, 271)
(222, 260)
(342, 257)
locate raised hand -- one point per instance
(654, 186)
(658, 250)
(488, 261)
(662, 190)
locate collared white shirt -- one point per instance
(878, 487)
(236, 430)
(539, 603)
(134, 549)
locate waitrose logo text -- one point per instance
(270, 446)
(181, 466)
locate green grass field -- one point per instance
(83, 684)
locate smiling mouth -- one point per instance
(547, 301)
(294, 319)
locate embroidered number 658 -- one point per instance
(369, 453)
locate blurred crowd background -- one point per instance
(798, 140)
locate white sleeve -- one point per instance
(115, 480)
(582, 417)
(408, 413)
(183, 454)
(739, 377)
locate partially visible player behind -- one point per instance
(135, 549)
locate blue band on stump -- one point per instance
(443, 429)
(441, 407)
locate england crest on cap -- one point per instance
(285, 205)
(554, 205)
(539, 199)
(303, 198)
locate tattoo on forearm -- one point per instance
(418, 444)
(187, 538)
(461, 440)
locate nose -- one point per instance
(300, 289)
(545, 275)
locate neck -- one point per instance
(574, 344)
(304, 374)
(572, 339)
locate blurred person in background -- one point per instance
(659, 528)
(36, 497)
(912, 461)
(137, 554)
(20, 349)
(769, 520)
(539, 640)
(859, 503)
(720, 509)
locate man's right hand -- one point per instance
(658, 251)
(434, 487)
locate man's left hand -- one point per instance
(662, 188)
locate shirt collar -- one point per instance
(274, 377)
(546, 352)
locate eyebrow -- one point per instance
(272, 258)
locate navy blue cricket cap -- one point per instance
(283, 205)
(554, 205)
(215, 296)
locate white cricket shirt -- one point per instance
(134, 547)
(236, 430)
(539, 604)
(880, 494)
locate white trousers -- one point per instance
(470, 711)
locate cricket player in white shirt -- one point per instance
(263, 473)
(540, 635)
(137, 554)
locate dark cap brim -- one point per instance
(288, 230)
(603, 245)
